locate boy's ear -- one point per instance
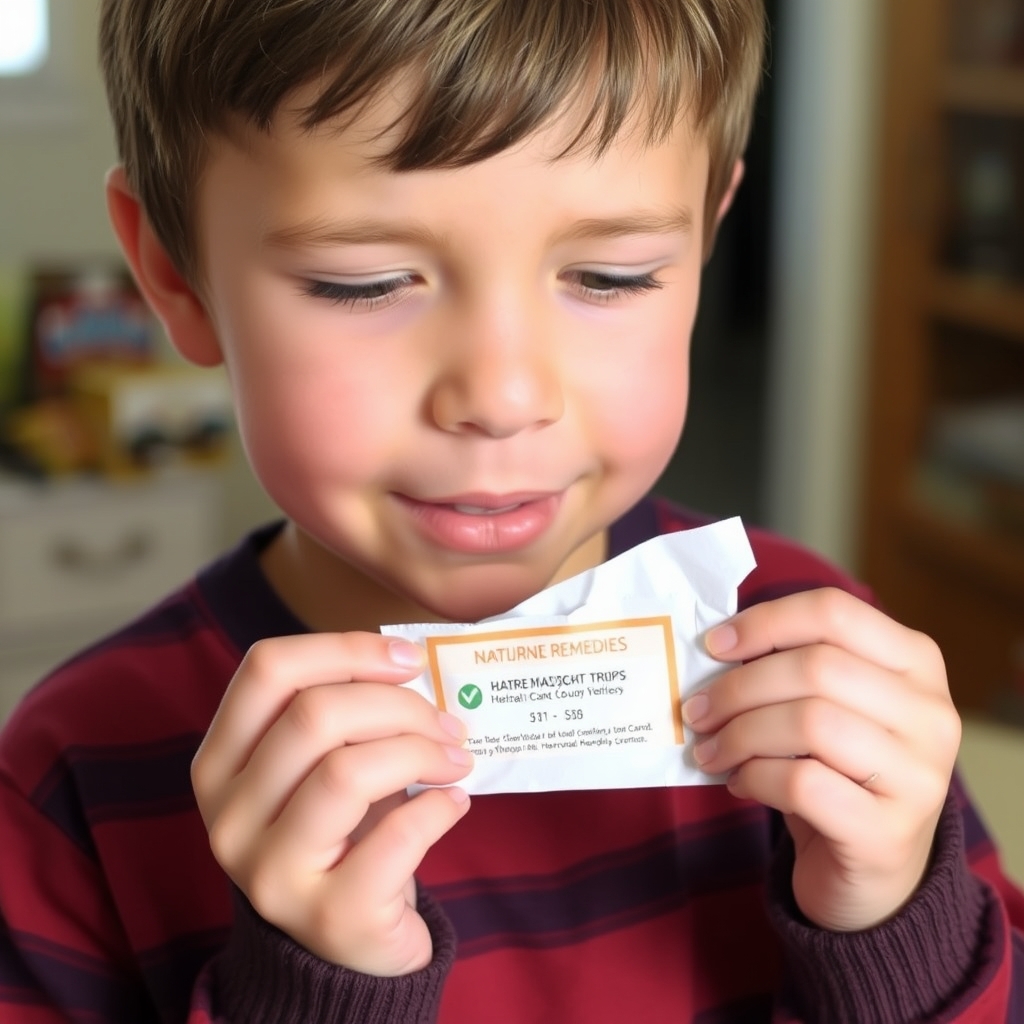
(169, 295)
(738, 170)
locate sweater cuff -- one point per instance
(905, 969)
(265, 976)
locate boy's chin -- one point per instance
(470, 600)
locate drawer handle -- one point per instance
(73, 556)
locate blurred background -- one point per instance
(858, 363)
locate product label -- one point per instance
(561, 689)
(579, 687)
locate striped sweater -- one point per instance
(600, 907)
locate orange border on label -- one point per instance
(665, 621)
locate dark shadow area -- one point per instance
(718, 465)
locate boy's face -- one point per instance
(451, 380)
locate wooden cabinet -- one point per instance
(943, 515)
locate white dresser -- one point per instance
(78, 558)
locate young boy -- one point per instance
(449, 252)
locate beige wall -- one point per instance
(827, 72)
(52, 165)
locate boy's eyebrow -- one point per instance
(645, 223)
(317, 233)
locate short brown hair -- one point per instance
(490, 72)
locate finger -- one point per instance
(836, 807)
(273, 671)
(330, 804)
(311, 832)
(317, 721)
(829, 616)
(888, 841)
(848, 743)
(819, 670)
(377, 870)
(392, 852)
(826, 800)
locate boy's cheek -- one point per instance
(650, 422)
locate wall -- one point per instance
(52, 167)
(826, 117)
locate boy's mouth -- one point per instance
(481, 523)
(479, 510)
(481, 504)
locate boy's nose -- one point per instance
(498, 382)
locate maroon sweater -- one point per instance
(599, 907)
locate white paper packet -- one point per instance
(581, 685)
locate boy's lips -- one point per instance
(480, 523)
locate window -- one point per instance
(24, 36)
(37, 62)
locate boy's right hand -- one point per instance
(301, 783)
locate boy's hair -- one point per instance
(487, 74)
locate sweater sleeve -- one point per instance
(63, 952)
(946, 956)
(65, 955)
(264, 977)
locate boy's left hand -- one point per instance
(841, 719)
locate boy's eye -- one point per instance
(366, 294)
(603, 287)
(595, 285)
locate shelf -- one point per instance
(979, 302)
(994, 558)
(985, 90)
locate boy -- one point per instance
(449, 252)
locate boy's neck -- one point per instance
(329, 595)
(325, 592)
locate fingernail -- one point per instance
(458, 755)
(452, 725)
(696, 708)
(705, 750)
(457, 795)
(721, 640)
(408, 655)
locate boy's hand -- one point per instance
(843, 723)
(301, 784)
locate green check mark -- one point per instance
(471, 696)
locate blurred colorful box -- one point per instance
(146, 417)
(81, 316)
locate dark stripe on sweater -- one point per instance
(171, 970)
(86, 986)
(90, 785)
(1015, 1014)
(605, 894)
(17, 983)
(752, 1010)
(977, 841)
(173, 621)
(244, 604)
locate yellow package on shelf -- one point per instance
(148, 416)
